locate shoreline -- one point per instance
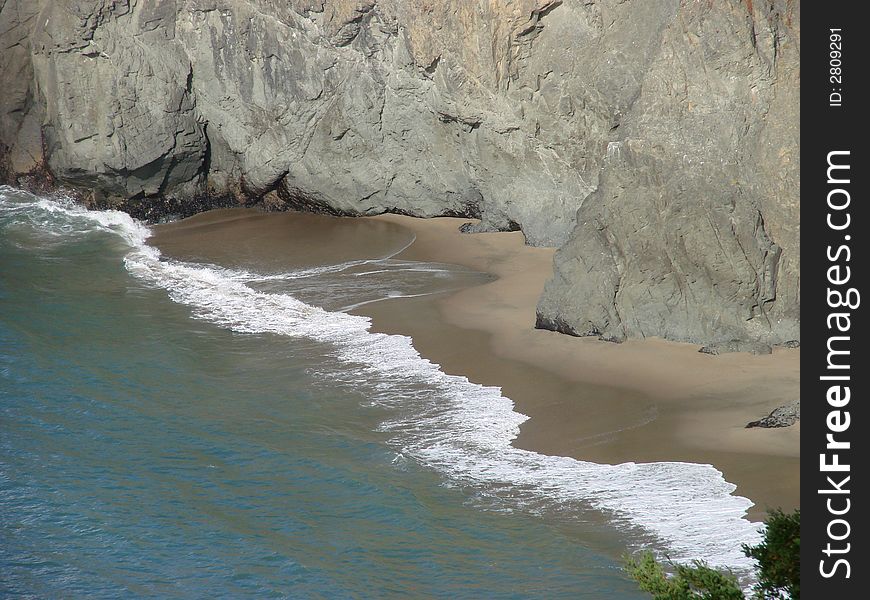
(639, 401)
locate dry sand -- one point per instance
(645, 400)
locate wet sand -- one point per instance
(240, 237)
(639, 401)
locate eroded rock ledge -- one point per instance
(655, 143)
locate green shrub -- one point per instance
(779, 557)
(694, 582)
(777, 571)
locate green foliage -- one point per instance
(779, 557)
(778, 570)
(695, 582)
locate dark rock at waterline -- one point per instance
(654, 143)
(780, 417)
(153, 210)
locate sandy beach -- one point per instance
(642, 400)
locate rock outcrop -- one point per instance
(656, 143)
(784, 416)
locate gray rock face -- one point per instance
(692, 232)
(655, 142)
(783, 416)
(751, 346)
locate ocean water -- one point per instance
(172, 429)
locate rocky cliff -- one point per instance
(656, 143)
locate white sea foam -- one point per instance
(459, 428)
